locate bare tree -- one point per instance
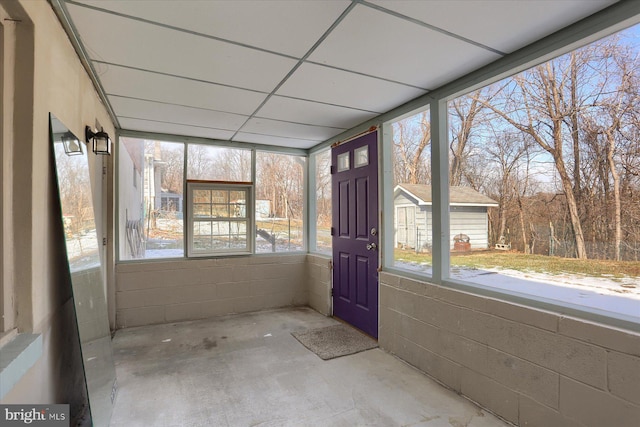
(508, 151)
(612, 112)
(411, 141)
(172, 168)
(536, 103)
(464, 113)
(323, 188)
(199, 165)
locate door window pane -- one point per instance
(343, 162)
(361, 156)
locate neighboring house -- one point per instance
(170, 202)
(413, 216)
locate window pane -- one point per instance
(323, 202)
(221, 232)
(412, 208)
(202, 210)
(343, 162)
(280, 191)
(361, 156)
(547, 169)
(202, 196)
(150, 199)
(211, 163)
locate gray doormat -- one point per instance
(334, 341)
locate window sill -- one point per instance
(17, 357)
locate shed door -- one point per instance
(406, 220)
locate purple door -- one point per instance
(354, 184)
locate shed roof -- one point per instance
(457, 195)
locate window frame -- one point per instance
(189, 140)
(437, 102)
(249, 217)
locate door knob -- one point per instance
(372, 247)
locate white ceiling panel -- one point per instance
(275, 140)
(135, 108)
(122, 81)
(237, 70)
(337, 87)
(174, 129)
(301, 111)
(291, 130)
(267, 25)
(502, 25)
(151, 47)
(382, 45)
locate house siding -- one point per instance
(470, 220)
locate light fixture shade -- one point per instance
(71, 144)
(100, 141)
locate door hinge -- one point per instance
(333, 231)
(332, 292)
(104, 241)
(104, 170)
(333, 170)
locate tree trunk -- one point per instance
(577, 188)
(616, 194)
(581, 250)
(523, 227)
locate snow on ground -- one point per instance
(82, 251)
(620, 296)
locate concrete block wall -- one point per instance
(319, 283)
(169, 291)
(531, 367)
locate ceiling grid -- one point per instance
(293, 73)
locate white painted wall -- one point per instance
(49, 78)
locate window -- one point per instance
(566, 216)
(279, 202)
(212, 163)
(323, 201)
(218, 218)
(150, 187)
(152, 178)
(543, 171)
(411, 192)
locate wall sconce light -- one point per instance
(101, 141)
(71, 144)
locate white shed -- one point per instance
(413, 215)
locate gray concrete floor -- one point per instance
(247, 370)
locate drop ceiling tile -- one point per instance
(135, 108)
(155, 48)
(376, 43)
(289, 130)
(274, 140)
(302, 111)
(175, 90)
(267, 25)
(174, 129)
(342, 88)
(502, 25)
